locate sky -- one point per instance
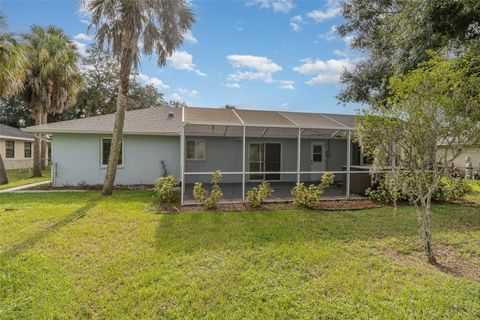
(255, 54)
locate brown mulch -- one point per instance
(449, 260)
(330, 205)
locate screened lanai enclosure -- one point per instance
(283, 148)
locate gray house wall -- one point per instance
(76, 159)
(225, 154)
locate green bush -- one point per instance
(454, 188)
(310, 197)
(165, 189)
(449, 189)
(257, 196)
(209, 200)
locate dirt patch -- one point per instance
(449, 260)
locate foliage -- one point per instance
(310, 197)
(454, 188)
(164, 187)
(448, 189)
(257, 195)
(396, 35)
(437, 103)
(210, 200)
(120, 27)
(13, 62)
(14, 113)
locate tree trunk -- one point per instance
(3, 172)
(125, 69)
(423, 212)
(43, 150)
(37, 162)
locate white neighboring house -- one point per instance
(16, 148)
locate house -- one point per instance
(190, 143)
(16, 148)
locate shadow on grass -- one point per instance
(204, 231)
(30, 242)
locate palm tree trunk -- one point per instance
(125, 70)
(37, 145)
(3, 172)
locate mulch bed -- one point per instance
(333, 205)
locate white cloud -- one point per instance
(259, 68)
(332, 10)
(187, 92)
(153, 81)
(233, 85)
(175, 96)
(82, 47)
(182, 60)
(83, 37)
(181, 93)
(296, 23)
(188, 37)
(330, 34)
(287, 84)
(276, 5)
(328, 71)
(83, 14)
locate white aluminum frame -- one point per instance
(243, 173)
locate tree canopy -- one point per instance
(437, 104)
(396, 35)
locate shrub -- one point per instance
(209, 200)
(257, 196)
(450, 188)
(310, 197)
(164, 187)
(454, 188)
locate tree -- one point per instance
(123, 24)
(12, 72)
(14, 113)
(52, 81)
(435, 103)
(396, 34)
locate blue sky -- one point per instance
(259, 54)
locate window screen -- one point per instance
(10, 149)
(27, 149)
(196, 150)
(106, 144)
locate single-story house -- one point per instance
(248, 146)
(16, 147)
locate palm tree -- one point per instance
(122, 25)
(53, 79)
(12, 72)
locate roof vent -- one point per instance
(171, 115)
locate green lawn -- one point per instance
(78, 255)
(22, 177)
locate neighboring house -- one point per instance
(281, 147)
(16, 147)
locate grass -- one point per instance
(23, 177)
(79, 255)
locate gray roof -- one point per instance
(149, 121)
(14, 133)
(156, 121)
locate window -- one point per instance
(105, 152)
(196, 150)
(10, 149)
(27, 150)
(317, 153)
